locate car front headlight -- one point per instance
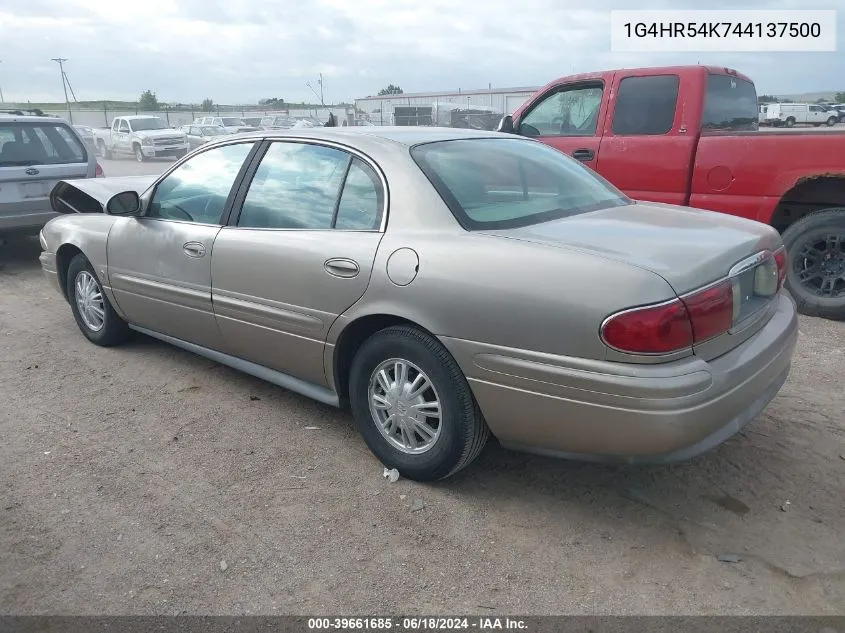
(146, 141)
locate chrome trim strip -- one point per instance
(307, 389)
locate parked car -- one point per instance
(253, 121)
(689, 135)
(35, 153)
(789, 114)
(141, 136)
(86, 133)
(446, 284)
(278, 122)
(839, 108)
(232, 124)
(202, 134)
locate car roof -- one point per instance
(131, 117)
(394, 134)
(6, 118)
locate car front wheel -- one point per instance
(91, 308)
(139, 154)
(413, 405)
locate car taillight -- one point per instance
(781, 260)
(674, 325)
(99, 173)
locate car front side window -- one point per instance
(569, 112)
(197, 190)
(296, 186)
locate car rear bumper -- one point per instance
(30, 222)
(604, 411)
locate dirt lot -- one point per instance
(129, 475)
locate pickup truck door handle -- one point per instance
(583, 154)
(194, 249)
(342, 267)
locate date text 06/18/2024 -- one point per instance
(409, 624)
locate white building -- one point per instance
(426, 108)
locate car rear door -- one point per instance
(34, 156)
(297, 254)
(159, 264)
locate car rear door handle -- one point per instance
(583, 154)
(342, 267)
(194, 249)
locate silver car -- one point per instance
(443, 283)
(35, 153)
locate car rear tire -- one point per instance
(139, 154)
(91, 308)
(815, 275)
(400, 380)
(790, 122)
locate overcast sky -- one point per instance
(238, 51)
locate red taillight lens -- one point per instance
(711, 311)
(650, 330)
(99, 173)
(672, 326)
(780, 260)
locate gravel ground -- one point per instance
(146, 480)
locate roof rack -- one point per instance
(27, 112)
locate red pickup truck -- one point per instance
(688, 135)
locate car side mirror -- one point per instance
(506, 125)
(124, 203)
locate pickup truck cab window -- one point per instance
(116, 125)
(124, 126)
(730, 104)
(646, 105)
(569, 111)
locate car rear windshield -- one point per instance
(39, 143)
(501, 183)
(730, 104)
(232, 121)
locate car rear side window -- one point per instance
(494, 183)
(296, 186)
(362, 199)
(645, 106)
(39, 144)
(730, 104)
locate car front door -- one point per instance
(159, 263)
(569, 117)
(298, 253)
(122, 141)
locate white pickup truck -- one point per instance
(141, 136)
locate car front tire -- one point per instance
(139, 154)
(413, 405)
(91, 308)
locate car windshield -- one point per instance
(151, 123)
(495, 183)
(213, 130)
(228, 120)
(24, 144)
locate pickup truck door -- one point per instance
(568, 117)
(648, 142)
(121, 141)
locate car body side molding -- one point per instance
(286, 381)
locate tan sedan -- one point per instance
(445, 284)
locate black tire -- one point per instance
(811, 229)
(832, 121)
(790, 122)
(114, 329)
(463, 431)
(139, 154)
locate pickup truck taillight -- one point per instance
(99, 173)
(699, 316)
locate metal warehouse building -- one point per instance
(464, 108)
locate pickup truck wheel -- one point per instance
(412, 404)
(790, 122)
(139, 155)
(815, 274)
(832, 121)
(94, 315)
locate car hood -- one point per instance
(689, 248)
(158, 133)
(95, 192)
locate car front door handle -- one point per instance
(194, 249)
(342, 267)
(583, 154)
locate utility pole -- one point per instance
(322, 101)
(2, 100)
(60, 61)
